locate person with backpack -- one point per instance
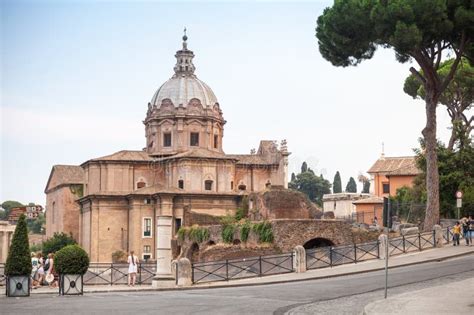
(466, 223)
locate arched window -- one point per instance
(232, 185)
(208, 184)
(181, 184)
(242, 187)
(141, 184)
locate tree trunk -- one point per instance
(432, 175)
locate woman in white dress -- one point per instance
(132, 269)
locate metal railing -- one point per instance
(338, 255)
(226, 270)
(2, 274)
(117, 273)
(411, 243)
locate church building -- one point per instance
(137, 200)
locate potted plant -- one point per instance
(18, 264)
(71, 263)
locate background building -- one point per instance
(137, 200)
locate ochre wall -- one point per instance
(65, 216)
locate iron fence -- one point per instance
(242, 268)
(411, 243)
(338, 255)
(2, 274)
(107, 273)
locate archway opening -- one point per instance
(318, 242)
(193, 254)
(211, 243)
(236, 242)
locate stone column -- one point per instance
(382, 246)
(438, 235)
(299, 263)
(3, 257)
(184, 272)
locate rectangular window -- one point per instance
(146, 227)
(167, 139)
(216, 141)
(181, 184)
(146, 257)
(177, 224)
(208, 185)
(194, 139)
(386, 188)
(147, 249)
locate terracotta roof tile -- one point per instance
(125, 155)
(63, 175)
(395, 166)
(371, 200)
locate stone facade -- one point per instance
(6, 235)
(137, 200)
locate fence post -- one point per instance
(330, 256)
(378, 249)
(227, 269)
(140, 274)
(111, 273)
(192, 273)
(355, 253)
(434, 239)
(260, 266)
(403, 241)
(419, 241)
(447, 234)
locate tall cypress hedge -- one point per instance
(19, 260)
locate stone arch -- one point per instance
(193, 253)
(318, 242)
(211, 243)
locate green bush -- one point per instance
(245, 231)
(228, 233)
(119, 256)
(55, 243)
(19, 260)
(198, 234)
(182, 233)
(264, 231)
(71, 259)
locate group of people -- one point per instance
(466, 227)
(43, 271)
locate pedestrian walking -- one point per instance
(132, 269)
(466, 230)
(456, 233)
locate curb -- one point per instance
(200, 287)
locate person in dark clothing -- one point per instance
(466, 223)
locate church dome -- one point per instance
(184, 85)
(180, 89)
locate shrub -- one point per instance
(19, 261)
(264, 231)
(198, 234)
(55, 243)
(244, 231)
(228, 233)
(71, 259)
(182, 233)
(119, 256)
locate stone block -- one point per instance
(409, 231)
(184, 272)
(299, 263)
(438, 235)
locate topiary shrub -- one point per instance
(71, 259)
(19, 261)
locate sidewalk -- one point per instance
(427, 301)
(428, 255)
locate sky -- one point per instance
(76, 78)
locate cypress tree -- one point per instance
(293, 177)
(337, 185)
(304, 167)
(19, 261)
(366, 188)
(351, 185)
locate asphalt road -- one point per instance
(336, 295)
